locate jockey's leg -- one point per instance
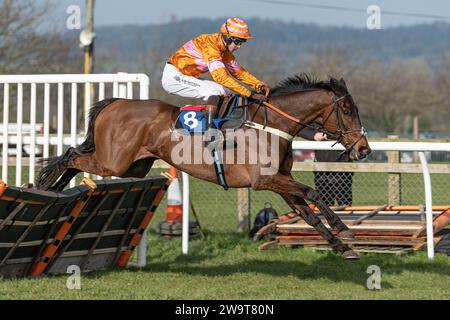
(213, 103)
(174, 82)
(214, 139)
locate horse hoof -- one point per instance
(350, 254)
(346, 235)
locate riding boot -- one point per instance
(213, 107)
(214, 141)
(213, 103)
(212, 114)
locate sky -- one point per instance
(143, 12)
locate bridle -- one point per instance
(340, 134)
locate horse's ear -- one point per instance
(343, 84)
(334, 83)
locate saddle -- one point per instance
(232, 115)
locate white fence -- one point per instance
(375, 146)
(121, 85)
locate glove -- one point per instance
(259, 97)
(320, 136)
(264, 88)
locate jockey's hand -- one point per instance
(320, 136)
(264, 88)
(259, 97)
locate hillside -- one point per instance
(289, 40)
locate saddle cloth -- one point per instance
(194, 118)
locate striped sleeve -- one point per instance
(243, 75)
(220, 74)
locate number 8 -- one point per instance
(190, 119)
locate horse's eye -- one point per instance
(346, 112)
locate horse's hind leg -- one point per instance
(89, 164)
(139, 168)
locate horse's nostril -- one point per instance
(364, 151)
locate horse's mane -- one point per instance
(301, 82)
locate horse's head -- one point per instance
(304, 99)
(341, 119)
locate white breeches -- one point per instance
(174, 82)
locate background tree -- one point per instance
(29, 43)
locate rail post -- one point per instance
(243, 212)
(394, 179)
(428, 205)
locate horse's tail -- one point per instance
(88, 145)
(54, 167)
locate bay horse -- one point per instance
(125, 137)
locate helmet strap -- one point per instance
(227, 38)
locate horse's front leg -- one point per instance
(333, 219)
(312, 195)
(295, 194)
(300, 206)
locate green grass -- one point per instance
(228, 266)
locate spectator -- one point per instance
(332, 186)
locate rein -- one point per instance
(340, 132)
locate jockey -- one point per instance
(212, 53)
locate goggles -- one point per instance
(238, 41)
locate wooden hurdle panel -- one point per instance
(114, 215)
(377, 229)
(29, 222)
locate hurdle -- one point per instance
(385, 229)
(30, 220)
(95, 225)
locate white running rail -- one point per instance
(120, 86)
